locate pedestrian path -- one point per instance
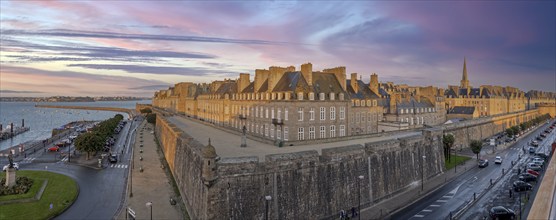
(119, 166)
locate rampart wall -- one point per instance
(302, 184)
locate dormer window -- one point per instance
(311, 96)
(332, 96)
(321, 96)
(341, 96)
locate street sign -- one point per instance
(492, 142)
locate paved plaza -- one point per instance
(228, 144)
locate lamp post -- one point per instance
(423, 172)
(267, 199)
(150, 205)
(359, 197)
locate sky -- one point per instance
(133, 48)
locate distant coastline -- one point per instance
(70, 99)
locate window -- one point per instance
(279, 113)
(422, 121)
(342, 113)
(300, 134)
(363, 117)
(321, 96)
(257, 129)
(311, 133)
(342, 130)
(262, 112)
(369, 129)
(272, 113)
(266, 130)
(311, 96)
(252, 126)
(300, 96)
(286, 114)
(322, 132)
(332, 131)
(322, 113)
(357, 115)
(332, 113)
(300, 114)
(272, 131)
(369, 116)
(312, 114)
(266, 113)
(278, 134)
(285, 133)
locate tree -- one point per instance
(510, 132)
(476, 146)
(146, 111)
(523, 126)
(89, 142)
(515, 129)
(119, 117)
(151, 118)
(448, 141)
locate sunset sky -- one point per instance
(112, 48)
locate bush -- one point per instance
(146, 111)
(22, 185)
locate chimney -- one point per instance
(243, 82)
(373, 84)
(307, 72)
(354, 83)
(260, 77)
(276, 74)
(394, 98)
(340, 73)
(290, 69)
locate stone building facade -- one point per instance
(491, 100)
(283, 104)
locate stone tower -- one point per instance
(464, 80)
(209, 164)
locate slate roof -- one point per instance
(250, 88)
(364, 92)
(227, 88)
(412, 103)
(288, 82)
(326, 83)
(466, 110)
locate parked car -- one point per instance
(522, 186)
(532, 172)
(527, 177)
(500, 212)
(483, 163)
(533, 166)
(498, 160)
(16, 166)
(55, 148)
(113, 158)
(543, 135)
(541, 155)
(538, 162)
(539, 138)
(531, 150)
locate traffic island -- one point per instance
(50, 195)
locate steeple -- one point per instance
(464, 80)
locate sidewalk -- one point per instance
(384, 209)
(150, 185)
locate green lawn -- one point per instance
(61, 191)
(455, 159)
(37, 183)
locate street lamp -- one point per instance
(423, 172)
(267, 199)
(359, 197)
(150, 205)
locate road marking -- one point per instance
(427, 210)
(418, 216)
(441, 200)
(112, 165)
(434, 205)
(125, 166)
(449, 197)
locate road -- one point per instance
(452, 197)
(101, 191)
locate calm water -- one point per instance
(43, 120)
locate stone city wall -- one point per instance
(302, 185)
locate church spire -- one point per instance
(464, 80)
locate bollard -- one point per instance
(474, 196)
(490, 181)
(502, 170)
(510, 190)
(450, 215)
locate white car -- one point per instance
(498, 160)
(16, 166)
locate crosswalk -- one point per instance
(64, 159)
(28, 160)
(120, 166)
(436, 205)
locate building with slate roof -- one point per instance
(487, 100)
(285, 104)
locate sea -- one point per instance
(41, 121)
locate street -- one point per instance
(452, 197)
